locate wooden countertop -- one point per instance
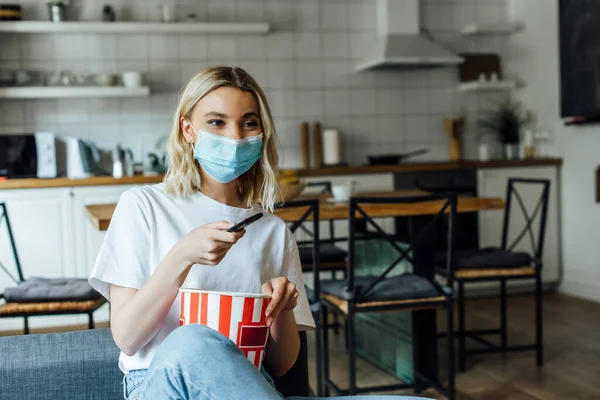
(34, 183)
(328, 171)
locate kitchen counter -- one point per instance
(426, 166)
(310, 172)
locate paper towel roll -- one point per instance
(332, 147)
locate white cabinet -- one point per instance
(42, 225)
(87, 238)
(54, 238)
(492, 183)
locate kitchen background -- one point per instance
(305, 66)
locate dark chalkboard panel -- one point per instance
(580, 58)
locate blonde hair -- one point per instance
(260, 183)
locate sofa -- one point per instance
(83, 365)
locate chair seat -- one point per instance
(407, 286)
(51, 307)
(487, 258)
(328, 253)
(310, 294)
(315, 307)
(43, 290)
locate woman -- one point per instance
(222, 169)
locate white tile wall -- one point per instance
(304, 65)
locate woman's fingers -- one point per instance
(284, 296)
(220, 225)
(216, 256)
(267, 288)
(227, 237)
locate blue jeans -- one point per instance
(208, 366)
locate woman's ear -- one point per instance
(188, 132)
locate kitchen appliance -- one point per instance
(85, 159)
(400, 43)
(122, 162)
(391, 159)
(30, 155)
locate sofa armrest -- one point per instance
(71, 365)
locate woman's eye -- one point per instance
(216, 122)
(250, 124)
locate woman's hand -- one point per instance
(208, 244)
(284, 297)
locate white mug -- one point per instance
(340, 192)
(132, 79)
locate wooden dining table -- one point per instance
(101, 214)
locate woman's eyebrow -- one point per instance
(250, 114)
(215, 114)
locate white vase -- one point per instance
(511, 151)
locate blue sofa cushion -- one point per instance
(73, 365)
(84, 365)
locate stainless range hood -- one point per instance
(400, 43)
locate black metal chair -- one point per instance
(295, 381)
(406, 292)
(312, 210)
(42, 307)
(332, 258)
(504, 264)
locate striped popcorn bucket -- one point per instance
(238, 316)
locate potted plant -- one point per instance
(506, 121)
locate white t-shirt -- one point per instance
(147, 222)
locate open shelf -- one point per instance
(491, 29)
(58, 92)
(477, 86)
(134, 27)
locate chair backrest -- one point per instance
(440, 203)
(537, 214)
(4, 219)
(311, 210)
(295, 382)
(325, 189)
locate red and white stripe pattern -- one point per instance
(241, 319)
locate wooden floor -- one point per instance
(572, 354)
(572, 346)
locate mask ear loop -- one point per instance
(192, 145)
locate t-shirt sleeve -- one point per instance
(291, 260)
(123, 259)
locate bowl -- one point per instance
(289, 191)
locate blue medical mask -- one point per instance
(226, 159)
